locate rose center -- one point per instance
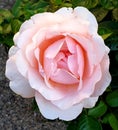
(62, 57)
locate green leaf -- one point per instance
(1, 19)
(15, 25)
(15, 8)
(6, 28)
(40, 4)
(34, 105)
(99, 13)
(112, 99)
(80, 3)
(115, 14)
(5, 14)
(113, 121)
(104, 32)
(86, 3)
(105, 118)
(112, 42)
(98, 110)
(108, 30)
(72, 126)
(1, 29)
(57, 2)
(88, 123)
(111, 25)
(109, 4)
(6, 39)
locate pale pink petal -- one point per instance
(24, 38)
(82, 21)
(73, 65)
(85, 90)
(13, 50)
(71, 44)
(90, 58)
(49, 55)
(49, 67)
(89, 102)
(21, 63)
(76, 61)
(16, 37)
(38, 83)
(26, 25)
(64, 77)
(53, 49)
(84, 15)
(80, 60)
(105, 80)
(99, 48)
(30, 56)
(50, 111)
(69, 21)
(18, 83)
(64, 11)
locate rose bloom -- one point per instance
(59, 59)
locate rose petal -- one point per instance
(64, 77)
(21, 63)
(13, 50)
(76, 61)
(30, 56)
(105, 79)
(89, 102)
(53, 49)
(26, 25)
(38, 83)
(18, 83)
(90, 58)
(50, 111)
(87, 17)
(85, 90)
(24, 38)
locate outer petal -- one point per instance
(13, 50)
(105, 79)
(21, 63)
(50, 111)
(89, 102)
(21, 39)
(85, 15)
(18, 83)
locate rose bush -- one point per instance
(59, 59)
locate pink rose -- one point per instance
(59, 59)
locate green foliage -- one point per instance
(112, 98)
(86, 3)
(99, 110)
(15, 25)
(109, 4)
(113, 121)
(88, 123)
(85, 122)
(100, 13)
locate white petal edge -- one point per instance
(52, 112)
(18, 83)
(105, 79)
(89, 102)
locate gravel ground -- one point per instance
(16, 113)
